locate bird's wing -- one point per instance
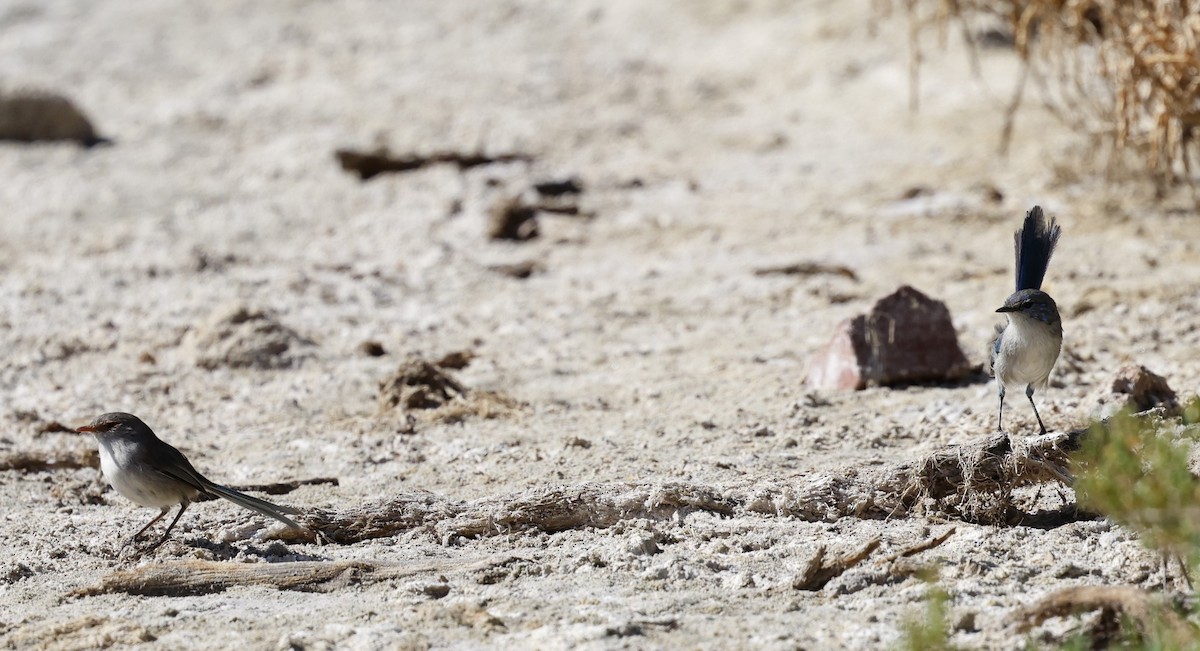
(176, 466)
(994, 350)
(173, 464)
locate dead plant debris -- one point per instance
(1123, 70)
(923, 546)
(419, 384)
(1144, 610)
(821, 571)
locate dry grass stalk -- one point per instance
(1125, 71)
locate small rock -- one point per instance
(511, 218)
(907, 337)
(33, 116)
(912, 192)
(966, 623)
(1137, 388)
(456, 360)
(436, 590)
(644, 545)
(372, 349)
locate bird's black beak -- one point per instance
(1005, 308)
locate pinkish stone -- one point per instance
(906, 338)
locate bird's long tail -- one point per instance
(254, 504)
(1035, 242)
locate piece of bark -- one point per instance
(907, 337)
(419, 384)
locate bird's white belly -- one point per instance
(1027, 356)
(138, 485)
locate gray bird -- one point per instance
(149, 472)
(1025, 350)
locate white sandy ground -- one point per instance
(761, 132)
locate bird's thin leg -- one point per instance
(182, 507)
(1000, 417)
(1165, 571)
(143, 529)
(1029, 394)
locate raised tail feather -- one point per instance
(1035, 242)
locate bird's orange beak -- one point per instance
(86, 428)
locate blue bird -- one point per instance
(1026, 349)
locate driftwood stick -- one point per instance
(194, 577)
